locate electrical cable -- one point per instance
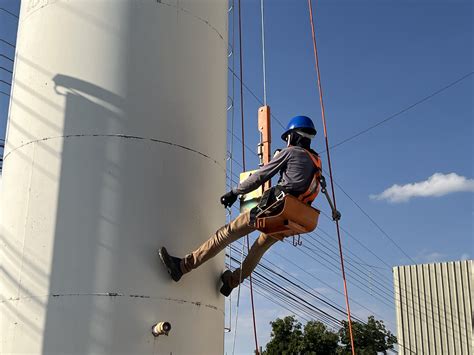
(292, 295)
(4, 56)
(338, 185)
(385, 298)
(7, 70)
(362, 132)
(363, 289)
(5, 82)
(8, 12)
(391, 117)
(276, 289)
(6, 42)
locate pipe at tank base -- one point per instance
(161, 328)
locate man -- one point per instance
(300, 174)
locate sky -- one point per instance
(412, 175)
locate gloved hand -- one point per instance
(336, 215)
(228, 199)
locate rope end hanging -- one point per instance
(323, 117)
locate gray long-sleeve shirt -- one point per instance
(296, 172)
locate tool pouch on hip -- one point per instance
(270, 203)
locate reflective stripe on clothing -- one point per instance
(313, 190)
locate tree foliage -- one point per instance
(288, 337)
(317, 339)
(369, 338)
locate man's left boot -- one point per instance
(172, 264)
(226, 278)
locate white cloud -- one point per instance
(430, 257)
(437, 185)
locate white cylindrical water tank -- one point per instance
(115, 147)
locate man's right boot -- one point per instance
(172, 264)
(226, 278)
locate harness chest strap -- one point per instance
(310, 194)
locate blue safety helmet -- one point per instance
(300, 123)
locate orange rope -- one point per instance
(323, 116)
(243, 166)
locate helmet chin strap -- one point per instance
(304, 134)
(289, 136)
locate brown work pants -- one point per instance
(225, 235)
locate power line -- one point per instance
(285, 296)
(255, 96)
(318, 279)
(6, 42)
(366, 130)
(376, 224)
(364, 288)
(271, 270)
(346, 231)
(4, 56)
(7, 70)
(361, 284)
(387, 292)
(352, 236)
(8, 12)
(391, 117)
(362, 132)
(389, 289)
(268, 276)
(252, 93)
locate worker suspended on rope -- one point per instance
(300, 175)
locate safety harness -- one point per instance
(271, 201)
(313, 190)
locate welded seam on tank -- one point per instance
(125, 136)
(161, 2)
(118, 294)
(26, 222)
(182, 9)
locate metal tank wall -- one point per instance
(115, 146)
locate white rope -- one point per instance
(245, 240)
(263, 56)
(238, 294)
(231, 150)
